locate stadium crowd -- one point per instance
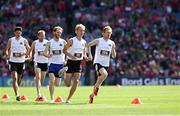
(146, 32)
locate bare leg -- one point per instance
(57, 82)
(14, 76)
(67, 79)
(38, 81)
(43, 76)
(20, 76)
(101, 78)
(74, 85)
(51, 85)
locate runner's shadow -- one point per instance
(77, 104)
(37, 103)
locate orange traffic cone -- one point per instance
(136, 101)
(5, 96)
(59, 100)
(24, 98)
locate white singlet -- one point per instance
(17, 48)
(39, 51)
(56, 48)
(103, 52)
(77, 48)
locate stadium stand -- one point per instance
(146, 32)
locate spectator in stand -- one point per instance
(144, 31)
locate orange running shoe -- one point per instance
(91, 98)
(95, 91)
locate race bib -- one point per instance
(56, 52)
(40, 53)
(16, 54)
(104, 52)
(78, 55)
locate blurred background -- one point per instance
(146, 33)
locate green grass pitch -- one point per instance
(111, 101)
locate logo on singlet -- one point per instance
(83, 44)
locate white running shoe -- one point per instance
(52, 101)
(68, 102)
(62, 71)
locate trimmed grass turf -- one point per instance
(157, 101)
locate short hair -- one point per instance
(57, 27)
(105, 28)
(41, 31)
(80, 26)
(18, 28)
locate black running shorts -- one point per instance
(18, 67)
(74, 66)
(42, 66)
(98, 66)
